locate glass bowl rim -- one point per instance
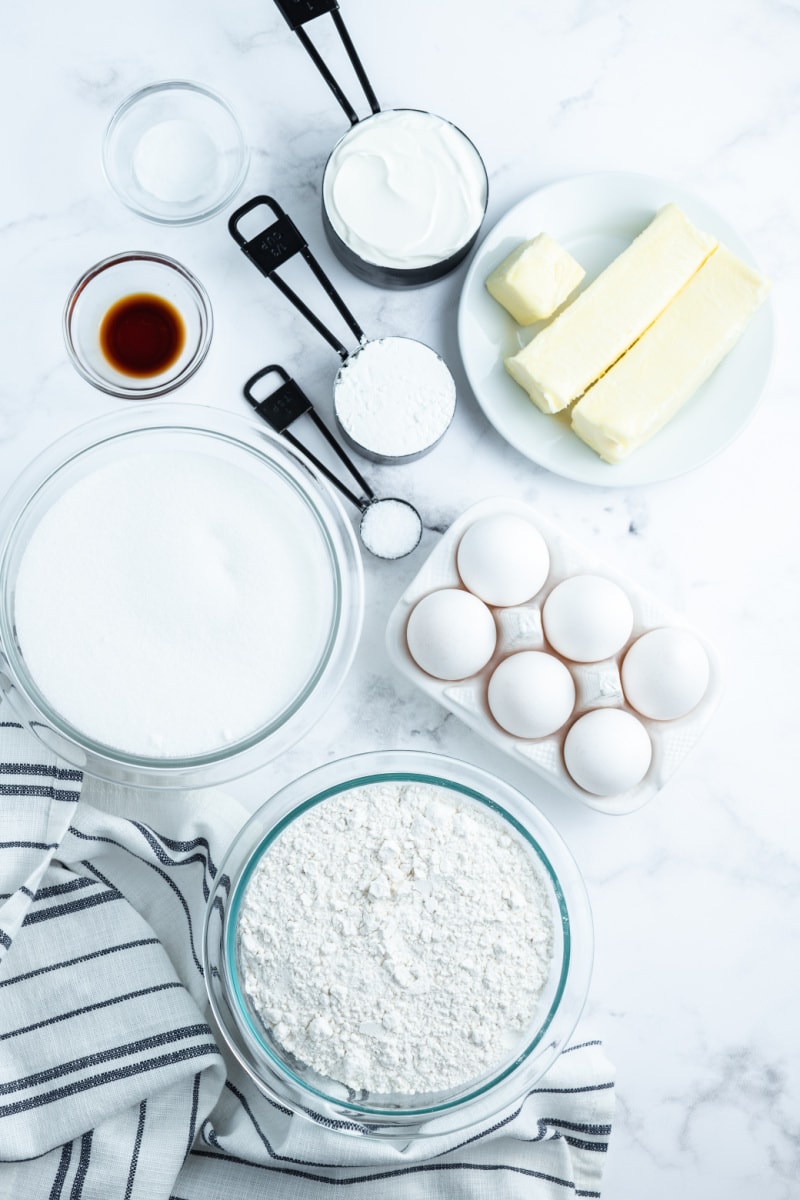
(167, 385)
(339, 775)
(175, 85)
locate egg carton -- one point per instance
(597, 685)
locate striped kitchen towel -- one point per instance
(112, 1084)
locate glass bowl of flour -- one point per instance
(180, 596)
(405, 949)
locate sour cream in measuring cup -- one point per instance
(404, 194)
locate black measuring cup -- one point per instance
(412, 423)
(455, 175)
(390, 528)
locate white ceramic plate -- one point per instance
(595, 217)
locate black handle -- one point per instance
(282, 407)
(274, 246)
(298, 13)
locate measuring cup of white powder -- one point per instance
(421, 973)
(404, 191)
(393, 397)
(180, 596)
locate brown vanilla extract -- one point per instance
(142, 335)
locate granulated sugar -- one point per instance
(394, 397)
(171, 603)
(396, 939)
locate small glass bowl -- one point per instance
(134, 273)
(227, 439)
(174, 152)
(290, 1083)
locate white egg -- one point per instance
(587, 618)
(451, 634)
(531, 694)
(665, 674)
(503, 559)
(607, 751)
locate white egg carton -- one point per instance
(597, 685)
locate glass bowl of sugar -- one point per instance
(405, 949)
(180, 596)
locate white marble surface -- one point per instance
(695, 896)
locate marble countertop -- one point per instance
(696, 896)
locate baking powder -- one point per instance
(390, 528)
(396, 939)
(394, 397)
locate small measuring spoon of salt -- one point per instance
(390, 528)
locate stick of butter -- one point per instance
(535, 279)
(562, 361)
(650, 383)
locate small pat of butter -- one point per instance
(656, 377)
(535, 279)
(562, 361)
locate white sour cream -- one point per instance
(405, 189)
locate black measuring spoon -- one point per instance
(390, 528)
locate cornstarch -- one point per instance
(394, 397)
(395, 939)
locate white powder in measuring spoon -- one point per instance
(394, 397)
(390, 528)
(171, 603)
(396, 939)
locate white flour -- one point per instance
(396, 939)
(394, 397)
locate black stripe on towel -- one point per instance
(136, 1147)
(42, 769)
(102, 1056)
(590, 1087)
(377, 1176)
(84, 1085)
(77, 1012)
(79, 958)
(61, 1173)
(89, 837)
(63, 910)
(193, 1114)
(27, 845)
(58, 889)
(83, 1167)
(36, 789)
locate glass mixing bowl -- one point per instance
(227, 442)
(281, 1076)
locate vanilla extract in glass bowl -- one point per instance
(137, 325)
(142, 335)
